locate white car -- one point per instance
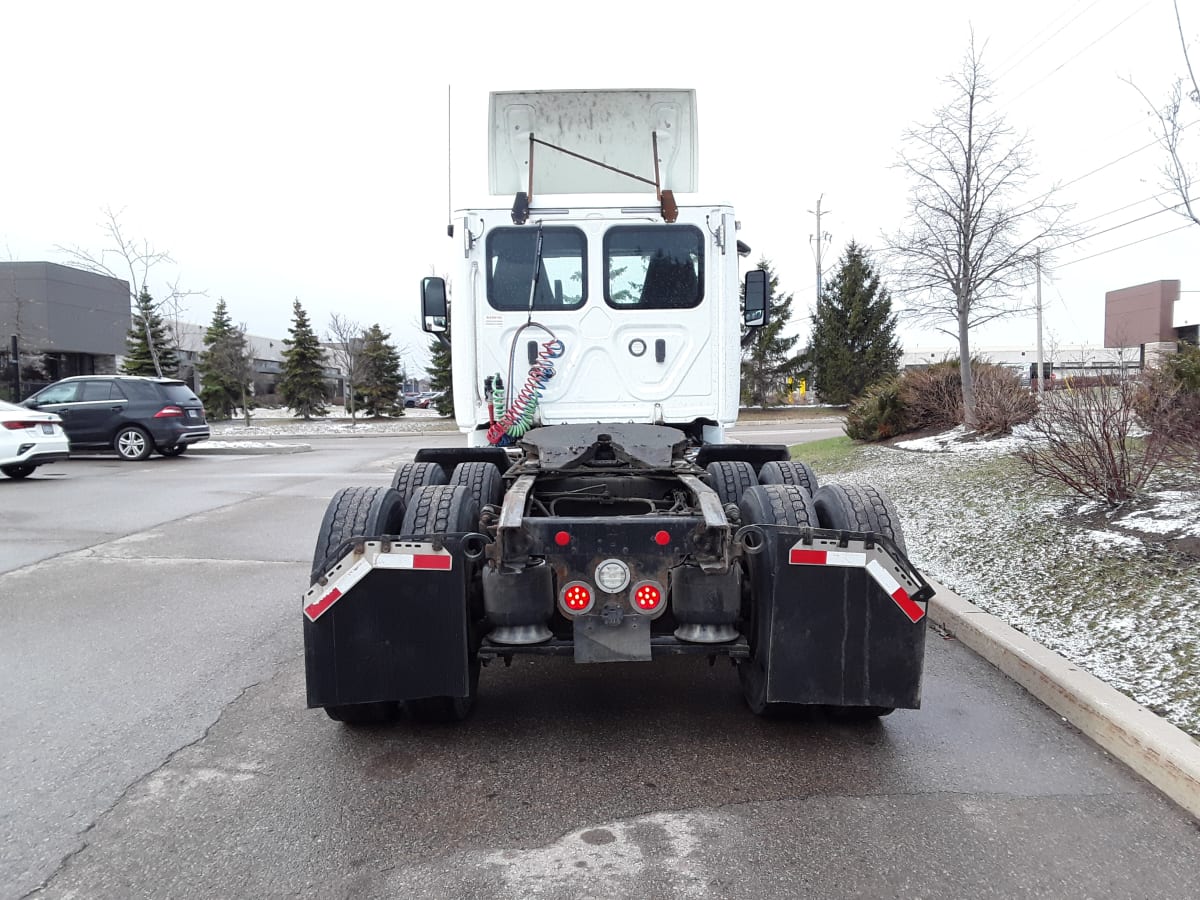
(28, 439)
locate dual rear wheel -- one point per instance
(421, 500)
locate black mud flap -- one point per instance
(389, 624)
(839, 619)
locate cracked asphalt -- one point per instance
(154, 742)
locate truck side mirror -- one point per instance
(758, 298)
(435, 314)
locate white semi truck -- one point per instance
(596, 509)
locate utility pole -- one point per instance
(1040, 371)
(819, 237)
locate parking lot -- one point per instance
(155, 740)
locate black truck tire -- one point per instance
(792, 472)
(357, 714)
(768, 504)
(444, 509)
(354, 511)
(858, 507)
(482, 479)
(411, 477)
(730, 479)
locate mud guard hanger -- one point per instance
(666, 199)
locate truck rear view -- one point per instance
(596, 509)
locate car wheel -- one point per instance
(133, 443)
(16, 472)
(173, 450)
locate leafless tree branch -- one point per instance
(968, 247)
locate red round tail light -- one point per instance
(648, 597)
(575, 598)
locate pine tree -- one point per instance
(767, 358)
(139, 360)
(380, 382)
(853, 343)
(440, 378)
(302, 382)
(225, 366)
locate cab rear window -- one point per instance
(654, 267)
(562, 278)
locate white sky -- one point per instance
(283, 150)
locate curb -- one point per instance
(260, 450)
(1155, 749)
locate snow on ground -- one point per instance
(1113, 592)
(280, 422)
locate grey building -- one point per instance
(66, 322)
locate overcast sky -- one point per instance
(283, 150)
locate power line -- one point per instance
(1048, 39)
(1123, 246)
(1125, 207)
(1088, 237)
(1079, 53)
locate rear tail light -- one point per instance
(576, 598)
(169, 412)
(17, 425)
(648, 597)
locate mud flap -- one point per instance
(389, 625)
(839, 619)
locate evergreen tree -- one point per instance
(380, 382)
(149, 326)
(225, 366)
(853, 343)
(767, 358)
(440, 375)
(302, 383)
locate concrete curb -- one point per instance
(1154, 748)
(261, 450)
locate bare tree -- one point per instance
(132, 261)
(345, 338)
(1178, 174)
(967, 250)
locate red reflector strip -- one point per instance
(314, 610)
(799, 557)
(436, 561)
(892, 588)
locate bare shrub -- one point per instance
(1000, 399)
(1091, 441)
(932, 397)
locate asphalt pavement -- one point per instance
(155, 741)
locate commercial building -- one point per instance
(64, 321)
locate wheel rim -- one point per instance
(131, 444)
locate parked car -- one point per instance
(131, 414)
(29, 439)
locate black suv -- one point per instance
(131, 414)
